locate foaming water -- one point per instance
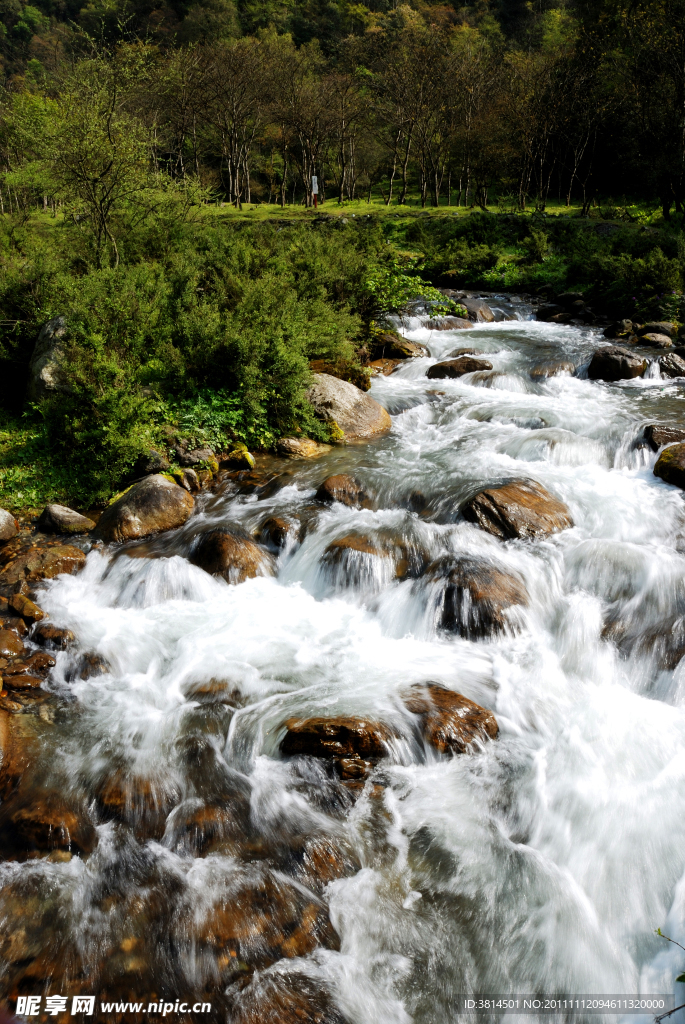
(541, 863)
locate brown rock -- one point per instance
(614, 363)
(29, 611)
(48, 822)
(43, 564)
(8, 525)
(53, 637)
(551, 370)
(10, 644)
(342, 488)
(384, 367)
(22, 682)
(670, 465)
(152, 505)
(231, 552)
(60, 519)
(14, 624)
(672, 365)
(448, 323)
(465, 352)
(39, 664)
(301, 448)
(343, 555)
(188, 479)
(19, 747)
(619, 329)
(356, 414)
(276, 531)
(261, 919)
(449, 722)
(475, 596)
(657, 435)
(457, 367)
(282, 999)
(522, 508)
(656, 340)
(393, 346)
(342, 737)
(322, 859)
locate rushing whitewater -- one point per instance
(542, 863)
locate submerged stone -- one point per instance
(231, 552)
(475, 596)
(451, 723)
(522, 508)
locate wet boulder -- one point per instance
(452, 368)
(672, 365)
(448, 323)
(342, 488)
(659, 434)
(42, 563)
(545, 370)
(522, 508)
(474, 597)
(384, 367)
(151, 506)
(393, 346)
(45, 820)
(231, 552)
(19, 746)
(451, 723)
(359, 559)
(188, 479)
(8, 525)
(614, 363)
(46, 370)
(478, 310)
(260, 918)
(277, 531)
(549, 310)
(53, 637)
(355, 413)
(353, 745)
(670, 465)
(465, 352)
(238, 458)
(10, 644)
(60, 519)
(281, 998)
(26, 608)
(195, 456)
(301, 448)
(656, 340)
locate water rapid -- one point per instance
(542, 863)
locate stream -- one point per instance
(542, 862)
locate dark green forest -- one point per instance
(156, 167)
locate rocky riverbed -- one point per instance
(339, 734)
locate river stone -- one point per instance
(150, 462)
(151, 506)
(8, 525)
(344, 737)
(24, 606)
(449, 722)
(37, 664)
(475, 596)
(620, 329)
(393, 346)
(478, 310)
(19, 746)
(670, 465)
(522, 508)
(10, 644)
(656, 340)
(384, 367)
(662, 327)
(354, 412)
(672, 365)
(47, 821)
(342, 488)
(615, 363)
(448, 323)
(657, 435)
(465, 352)
(281, 998)
(301, 448)
(46, 375)
(230, 552)
(260, 918)
(16, 625)
(276, 531)
(452, 368)
(549, 310)
(197, 455)
(53, 637)
(43, 563)
(551, 370)
(60, 519)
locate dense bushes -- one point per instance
(208, 328)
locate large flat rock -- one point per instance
(356, 413)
